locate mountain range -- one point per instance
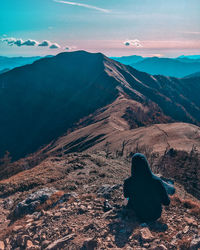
(7, 63)
(42, 101)
(175, 67)
(72, 123)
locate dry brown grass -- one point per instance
(192, 206)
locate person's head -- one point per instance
(140, 166)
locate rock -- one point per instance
(146, 234)
(61, 242)
(45, 243)
(2, 245)
(107, 206)
(106, 190)
(29, 205)
(160, 247)
(63, 209)
(29, 243)
(31, 246)
(190, 221)
(90, 244)
(57, 215)
(66, 197)
(186, 229)
(195, 244)
(17, 228)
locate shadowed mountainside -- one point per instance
(45, 99)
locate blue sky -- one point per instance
(114, 27)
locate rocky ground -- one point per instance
(75, 201)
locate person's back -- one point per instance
(145, 191)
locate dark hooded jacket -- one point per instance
(145, 191)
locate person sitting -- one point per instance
(145, 192)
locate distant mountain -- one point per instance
(188, 59)
(44, 100)
(12, 62)
(128, 60)
(193, 57)
(197, 74)
(167, 66)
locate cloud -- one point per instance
(44, 43)
(54, 46)
(29, 42)
(10, 41)
(135, 43)
(83, 5)
(70, 48)
(19, 42)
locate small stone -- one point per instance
(17, 228)
(57, 215)
(108, 238)
(90, 244)
(186, 229)
(195, 244)
(160, 247)
(28, 225)
(60, 242)
(30, 220)
(29, 244)
(146, 234)
(45, 243)
(2, 245)
(63, 209)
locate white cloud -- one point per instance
(135, 43)
(44, 43)
(83, 5)
(54, 46)
(29, 42)
(19, 42)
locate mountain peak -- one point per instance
(50, 96)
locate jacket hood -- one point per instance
(140, 167)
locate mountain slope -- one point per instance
(40, 102)
(128, 60)
(197, 74)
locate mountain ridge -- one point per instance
(48, 97)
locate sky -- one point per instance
(114, 27)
